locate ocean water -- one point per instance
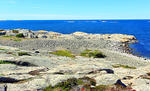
(139, 28)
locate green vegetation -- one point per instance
(123, 66)
(102, 87)
(95, 54)
(85, 84)
(1, 74)
(63, 53)
(3, 62)
(17, 39)
(12, 37)
(70, 83)
(90, 80)
(64, 86)
(20, 35)
(17, 50)
(6, 36)
(15, 31)
(3, 49)
(23, 53)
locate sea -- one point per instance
(139, 28)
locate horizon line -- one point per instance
(66, 19)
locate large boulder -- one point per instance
(79, 34)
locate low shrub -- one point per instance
(95, 54)
(85, 84)
(89, 81)
(65, 85)
(63, 53)
(20, 35)
(123, 66)
(23, 53)
(71, 83)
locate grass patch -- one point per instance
(17, 39)
(17, 50)
(94, 54)
(6, 36)
(123, 66)
(1, 74)
(70, 83)
(89, 81)
(20, 35)
(65, 85)
(3, 49)
(23, 53)
(85, 84)
(3, 62)
(101, 87)
(63, 53)
(12, 38)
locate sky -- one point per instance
(74, 9)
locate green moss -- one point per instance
(87, 50)
(3, 62)
(17, 50)
(63, 53)
(20, 35)
(85, 83)
(65, 85)
(89, 80)
(1, 74)
(123, 66)
(95, 54)
(23, 53)
(101, 88)
(50, 88)
(17, 39)
(3, 49)
(6, 36)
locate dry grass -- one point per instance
(63, 53)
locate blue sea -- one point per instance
(139, 28)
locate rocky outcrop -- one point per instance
(40, 69)
(52, 70)
(77, 35)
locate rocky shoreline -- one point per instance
(43, 61)
(118, 42)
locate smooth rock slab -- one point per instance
(2, 88)
(106, 79)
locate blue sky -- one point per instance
(74, 9)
